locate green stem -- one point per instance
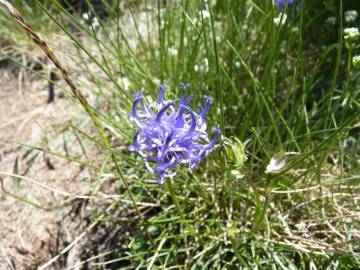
(171, 190)
(75, 90)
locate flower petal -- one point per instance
(163, 110)
(161, 94)
(171, 136)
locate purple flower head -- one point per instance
(170, 133)
(282, 3)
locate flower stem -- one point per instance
(171, 190)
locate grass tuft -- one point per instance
(282, 187)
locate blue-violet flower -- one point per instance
(170, 134)
(282, 3)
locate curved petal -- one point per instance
(136, 143)
(179, 123)
(162, 171)
(193, 121)
(134, 115)
(178, 137)
(210, 147)
(183, 100)
(165, 147)
(216, 137)
(161, 94)
(162, 111)
(206, 108)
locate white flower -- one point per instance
(173, 51)
(356, 61)
(95, 23)
(351, 15)
(205, 14)
(237, 64)
(125, 82)
(203, 67)
(85, 16)
(157, 81)
(276, 164)
(351, 33)
(206, 63)
(278, 20)
(331, 20)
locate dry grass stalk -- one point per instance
(49, 53)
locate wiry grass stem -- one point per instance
(49, 53)
(178, 208)
(75, 90)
